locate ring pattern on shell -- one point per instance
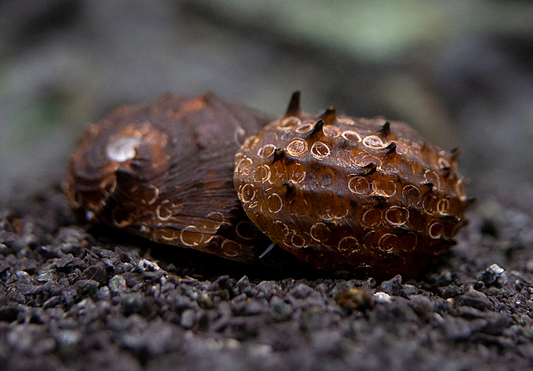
(352, 195)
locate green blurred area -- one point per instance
(461, 72)
(379, 31)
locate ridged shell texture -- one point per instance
(164, 171)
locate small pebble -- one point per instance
(382, 297)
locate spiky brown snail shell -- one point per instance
(354, 195)
(164, 171)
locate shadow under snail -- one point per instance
(348, 195)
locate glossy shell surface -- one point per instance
(355, 195)
(164, 171)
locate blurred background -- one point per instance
(460, 71)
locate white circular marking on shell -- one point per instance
(315, 230)
(331, 131)
(295, 242)
(351, 135)
(304, 128)
(348, 244)
(262, 173)
(122, 223)
(460, 189)
(266, 150)
(431, 177)
(435, 230)
(370, 215)
(104, 184)
(411, 194)
(380, 188)
(401, 148)
(217, 216)
(409, 241)
(365, 159)
(373, 141)
(345, 158)
(155, 196)
(248, 193)
(289, 123)
(338, 212)
(166, 210)
(388, 242)
(239, 135)
(123, 149)
(213, 222)
(443, 206)
(297, 147)
(244, 166)
(398, 213)
(272, 203)
(247, 225)
(320, 150)
(166, 238)
(282, 226)
(359, 185)
(231, 248)
(194, 232)
(298, 174)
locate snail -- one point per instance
(351, 195)
(164, 171)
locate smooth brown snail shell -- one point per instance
(354, 195)
(164, 171)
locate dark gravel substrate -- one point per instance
(77, 300)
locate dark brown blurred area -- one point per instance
(460, 72)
